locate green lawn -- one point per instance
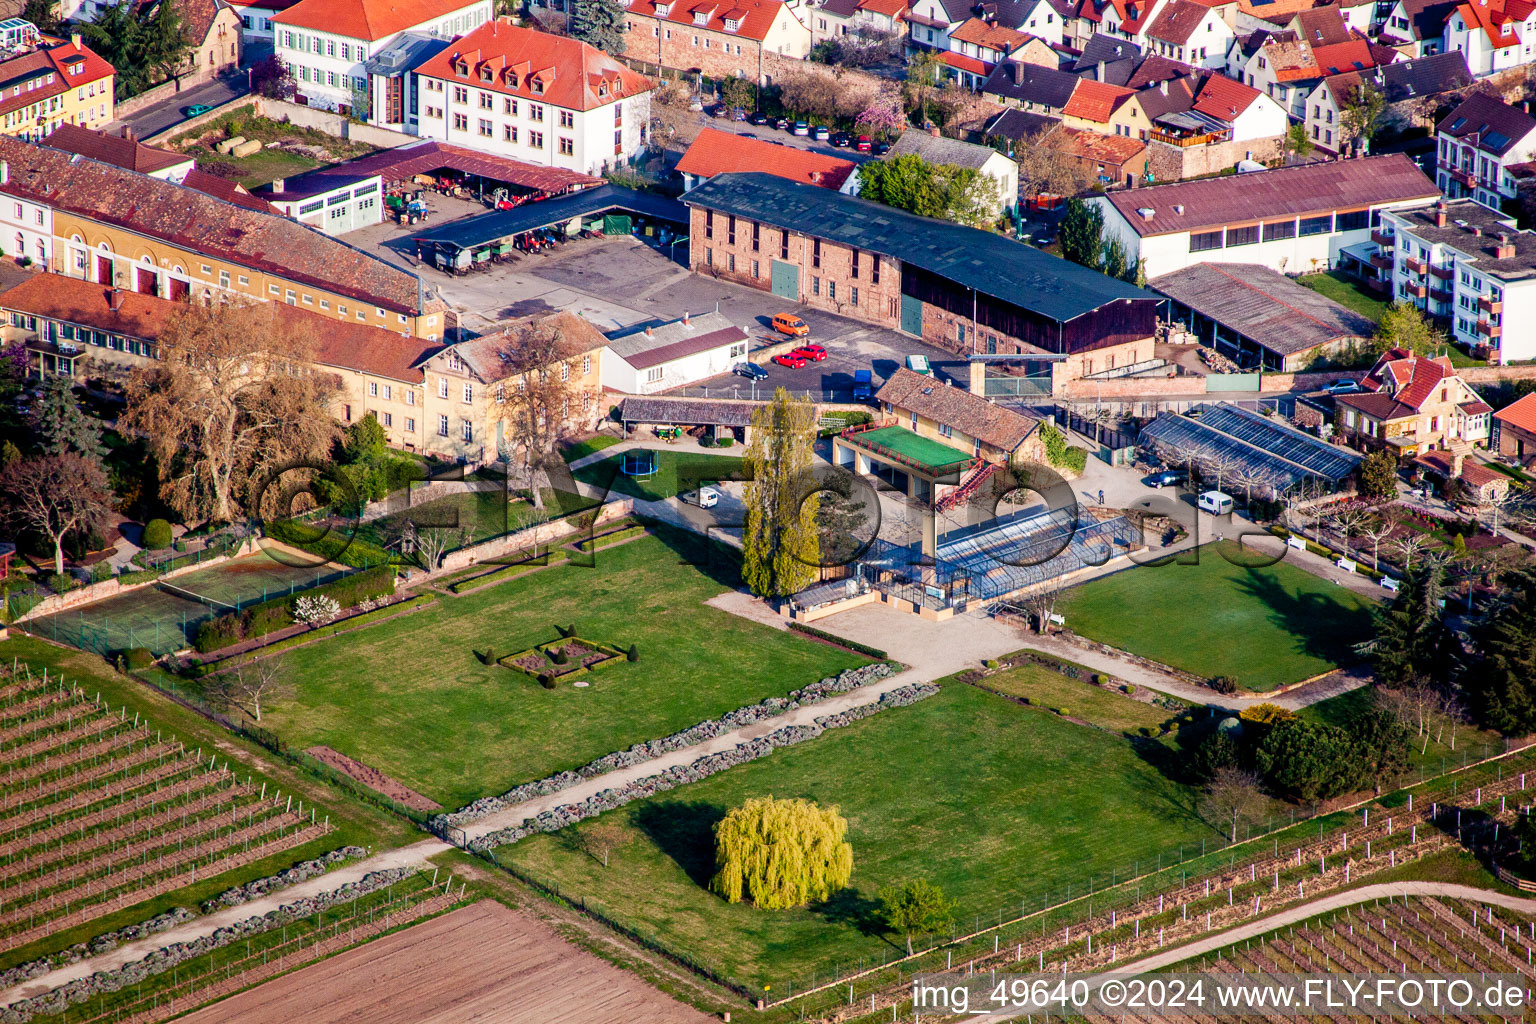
(588, 446)
(925, 451)
(995, 803)
(271, 163)
(1266, 627)
(481, 514)
(1344, 290)
(675, 472)
(410, 698)
(1423, 748)
(1104, 707)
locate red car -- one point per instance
(794, 360)
(864, 144)
(815, 353)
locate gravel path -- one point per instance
(128, 952)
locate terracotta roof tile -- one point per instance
(890, 8)
(1224, 98)
(716, 152)
(961, 62)
(1100, 148)
(1520, 415)
(1177, 21)
(1354, 55)
(1323, 26)
(536, 66)
(1095, 101)
(200, 223)
(990, 35)
(56, 61)
(753, 18)
(364, 19)
(113, 149)
(970, 414)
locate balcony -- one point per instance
(1383, 237)
(1489, 330)
(1414, 265)
(1381, 261)
(1186, 141)
(1444, 273)
(1487, 305)
(1441, 295)
(1464, 177)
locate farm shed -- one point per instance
(721, 416)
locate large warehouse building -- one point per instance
(970, 291)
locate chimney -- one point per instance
(1098, 73)
(115, 300)
(1477, 231)
(277, 186)
(649, 333)
(1440, 214)
(685, 318)
(74, 40)
(933, 130)
(5, 172)
(1456, 458)
(1506, 247)
(130, 135)
(1162, 87)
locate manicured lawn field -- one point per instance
(410, 698)
(1266, 627)
(1106, 708)
(675, 471)
(1341, 288)
(588, 446)
(995, 803)
(479, 514)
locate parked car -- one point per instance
(751, 371)
(841, 140)
(747, 135)
(706, 497)
(881, 148)
(196, 109)
(919, 364)
(793, 360)
(738, 114)
(864, 144)
(1215, 502)
(815, 353)
(863, 385)
(780, 123)
(1342, 387)
(758, 118)
(822, 133)
(788, 323)
(802, 128)
(1166, 478)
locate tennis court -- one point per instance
(164, 617)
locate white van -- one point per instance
(708, 497)
(1215, 502)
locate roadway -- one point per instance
(157, 117)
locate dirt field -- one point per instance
(484, 964)
(374, 779)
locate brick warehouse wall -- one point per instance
(646, 41)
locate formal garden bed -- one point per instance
(555, 658)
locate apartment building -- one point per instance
(328, 42)
(102, 223)
(1413, 404)
(1495, 35)
(1478, 144)
(46, 83)
(532, 96)
(1401, 82)
(1470, 267)
(716, 38)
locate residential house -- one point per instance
(466, 383)
(124, 151)
(1514, 431)
(102, 223)
(1030, 87)
(1289, 68)
(1412, 89)
(1416, 28)
(719, 152)
(643, 360)
(836, 19)
(255, 18)
(1019, 126)
(1495, 35)
(45, 83)
(1267, 15)
(984, 160)
(968, 290)
(327, 42)
(1410, 404)
(1107, 58)
(212, 29)
(1478, 144)
(714, 37)
(1210, 108)
(395, 90)
(1108, 159)
(1190, 32)
(1459, 476)
(932, 23)
(977, 46)
(1322, 26)
(1290, 219)
(1127, 19)
(1469, 266)
(1111, 109)
(532, 96)
(937, 442)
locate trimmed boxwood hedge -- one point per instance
(270, 616)
(852, 645)
(157, 534)
(336, 546)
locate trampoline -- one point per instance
(640, 463)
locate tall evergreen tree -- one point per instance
(599, 23)
(1502, 685)
(61, 425)
(1412, 639)
(780, 545)
(1082, 234)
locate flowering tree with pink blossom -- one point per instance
(883, 118)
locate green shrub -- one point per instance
(333, 546)
(59, 582)
(558, 655)
(990, 663)
(1057, 452)
(633, 654)
(1222, 684)
(852, 645)
(724, 442)
(566, 631)
(277, 613)
(1129, 688)
(488, 657)
(101, 571)
(157, 534)
(134, 659)
(546, 680)
(220, 632)
(1146, 731)
(143, 576)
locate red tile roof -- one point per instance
(753, 18)
(1224, 98)
(223, 188)
(716, 152)
(990, 34)
(1177, 21)
(536, 66)
(114, 149)
(1497, 18)
(202, 224)
(56, 61)
(961, 62)
(890, 8)
(1095, 101)
(364, 19)
(1351, 56)
(1113, 150)
(1521, 414)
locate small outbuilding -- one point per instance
(643, 360)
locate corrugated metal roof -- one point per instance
(993, 265)
(498, 224)
(1271, 309)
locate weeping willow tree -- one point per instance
(780, 546)
(781, 853)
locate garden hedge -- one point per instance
(852, 645)
(277, 613)
(157, 534)
(333, 546)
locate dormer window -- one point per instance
(537, 85)
(461, 69)
(487, 75)
(662, 10)
(701, 17)
(510, 78)
(732, 24)
(602, 89)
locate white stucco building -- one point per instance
(532, 96)
(327, 42)
(645, 360)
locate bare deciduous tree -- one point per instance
(430, 544)
(602, 838)
(1046, 168)
(54, 494)
(1347, 523)
(1377, 529)
(539, 395)
(1409, 547)
(231, 397)
(1041, 603)
(250, 686)
(1232, 799)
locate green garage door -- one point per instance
(912, 315)
(786, 280)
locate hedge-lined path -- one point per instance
(415, 854)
